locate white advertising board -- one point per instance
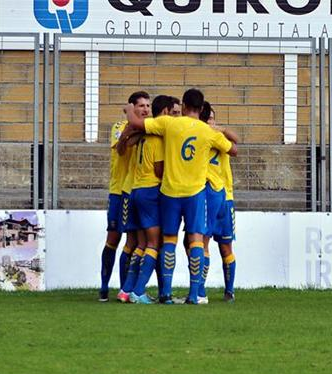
(310, 250)
(75, 240)
(272, 249)
(173, 18)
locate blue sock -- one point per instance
(229, 265)
(124, 264)
(107, 263)
(167, 260)
(196, 264)
(159, 276)
(147, 266)
(133, 270)
(201, 289)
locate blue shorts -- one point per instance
(114, 213)
(215, 206)
(192, 209)
(146, 204)
(127, 221)
(226, 224)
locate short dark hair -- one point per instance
(193, 99)
(206, 111)
(160, 103)
(175, 100)
(133, 98)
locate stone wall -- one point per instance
(245, 90)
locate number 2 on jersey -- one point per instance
(214, 159)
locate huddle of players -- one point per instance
(164, 169)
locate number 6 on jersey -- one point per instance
(188, 150)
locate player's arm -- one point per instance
(159, 169)
(128, 138)
(230, 134)
(219, 141)
(233, 151)
(134, 139)
(155, 126)
(135, 122)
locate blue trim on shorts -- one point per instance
(226, 224)
(127, 216)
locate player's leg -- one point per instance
(215, 201)
(125, 258)
(148, 203)
(229, 267)
(136, 242)
(111, 245)
(202, 297)
(194, 212)
(158, 268)
(149, 260)
(225, 239)
(134, 267)
(131, 239)
(171, 218)
(196, 263)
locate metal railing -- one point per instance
(19, 120)
(264, 89)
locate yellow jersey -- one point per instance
(118, 164)
(227, 175)
(129, 180)
(150, 149)
(187, 143)
(215, 175)
(219, 173)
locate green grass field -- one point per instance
(265, 331)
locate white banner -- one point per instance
(75, 240)
(272, 249)
(310, 250)
(172, 18)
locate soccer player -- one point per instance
(187, 143)
(220, 210)
(145, 192)
(118, 172)
(176, 107)
(225, 233)
(135, 241)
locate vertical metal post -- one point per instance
(55, 175)
(330, 121)
(322, 124)
(35, 165)
(45, 115)
(313, 128)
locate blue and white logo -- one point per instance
(61, 14)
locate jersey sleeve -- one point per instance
(159, 149)
(156, 126)
(220, 142)
(116, 132)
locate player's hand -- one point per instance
(128, 108)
